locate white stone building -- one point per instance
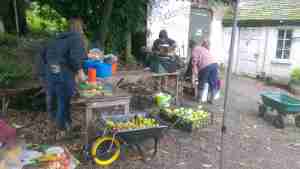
(268, 40)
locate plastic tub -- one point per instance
(88, 64)
(104, 70)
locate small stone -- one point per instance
(207, 165)
(181, 163)
(218, 148)
(268, 148)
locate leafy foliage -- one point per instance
(44, 18)
(12, 53)
(126, 18)
(8, 40)
(12, 73)
(295, 75)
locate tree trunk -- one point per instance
(2, 28)
(7, 13)
(108, 5)
(128, 45)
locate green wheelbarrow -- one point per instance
(283, 104)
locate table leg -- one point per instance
(177, 88)
(126, 106)
(88, 120)
(166, 79)
(160, 84)
(4, 107)
(196, 93)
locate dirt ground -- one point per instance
(250, 142)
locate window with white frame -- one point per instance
(284, 43)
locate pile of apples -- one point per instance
(195, 116)
(138, 122)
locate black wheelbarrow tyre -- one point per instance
(297, 121)
(262, 110)
(278, 122)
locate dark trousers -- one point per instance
(60, 91)
(209, 75)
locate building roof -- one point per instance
(268, 11)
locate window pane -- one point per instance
(278, 54)
(280, 44)
(288, 34)
(288, 44)
(286, 54)
(281, 34)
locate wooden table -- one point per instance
(165, 77)
(98, 102)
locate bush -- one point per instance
(12, 74)
(295, 75)
(8, 40)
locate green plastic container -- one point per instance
(163, 100)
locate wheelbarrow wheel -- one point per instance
(262, 110)
(105, 150)
(297, 121)
(278, 122)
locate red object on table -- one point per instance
(7, 134)
(92, 75)
(114, 68)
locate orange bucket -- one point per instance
(114, 68)
(92, 75)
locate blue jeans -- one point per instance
(209, 75)
(60, 91)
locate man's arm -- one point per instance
(155, 47)
(196, 61)
(77, 55)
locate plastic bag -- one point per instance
(56, 158)
(7, 134)
(9, 158)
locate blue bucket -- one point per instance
(104, 70)
(88, 64)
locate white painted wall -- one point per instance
(174, 16)
(216, 39)
(226, 48)
(268, 44)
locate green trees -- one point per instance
(107, 21)
(7, 15)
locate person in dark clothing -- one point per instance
(61, 64)
(163, 40)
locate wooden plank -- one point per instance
(165, 74)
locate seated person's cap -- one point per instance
(96, 50)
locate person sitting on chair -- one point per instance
(163, 42)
